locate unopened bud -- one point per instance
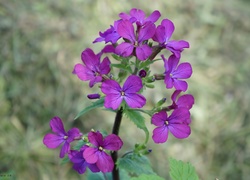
(93, 96)
(142, 73)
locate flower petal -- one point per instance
(90, 59)
(82, 72)
(113, 101)
(91, 155)
(133, 84)
(159, 35)
(56, 126)
(52, 140)
(146, 32)
(160, 134)
(179, 116)
(183, 71)
(104, 162)
(159, 118)
(72, 134)
(186, 101)
(143, 52)
(180, 131)
(126, 30)
(168, 80)
(111, 87)
(95, 138)
(175, 94)
(154, 16)
(65, 149)
(112, 142)
(138, 14)
(124, 49)
(180, 85)
(169, 28)
(105, 66)
(135, 100)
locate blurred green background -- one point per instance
(41, 41)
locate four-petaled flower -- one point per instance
(163, 34)
(175, 72)
(92, 69)
(80, 164)
(135, 42)
(115, 93)
(176, 123)
(184, 101)
(138, 16)
(60, 137)
(97, 153)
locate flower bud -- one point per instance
(93, 96)
(142, 73)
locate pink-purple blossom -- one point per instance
(97, 155)
(115, 94)
(92, 69)
(176, 123)
(60, 137)
(174, 73)
(135, 42)
(79, 163)
(139, 16)
(163, 34)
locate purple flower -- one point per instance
(110, 35)
(184, 101)
(97, 153)
(175, 123)
(135, 42)
(138, 16)
(80, 164)
(94, 96)
(174, 73)
(163, 34)
(92, 69)
(60, 137)
(115, 93)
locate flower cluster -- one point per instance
(134, 41)
(92, 153)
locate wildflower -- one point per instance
(173, 74)
(115, 93)
(80, 164)
(60, 137)
(135, 42)
(92, 69)
(163, 34)
(97, 153)
(110, 35)
(138, 16)
(175, 123)
(184, 101)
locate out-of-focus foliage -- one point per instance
(42, 40)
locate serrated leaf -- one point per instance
(96, 104)
(124, 67)
(182, 171)
(147, 177)
(133, 163)
(138, 119)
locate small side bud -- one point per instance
(161, 102)
(142, 73)
(94, 96)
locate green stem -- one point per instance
(114, 154)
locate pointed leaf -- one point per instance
(138, 119)
(182, 171)
(96, 104)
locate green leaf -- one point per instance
(124, 67)
(100, 176)
(65, 160)
(138, 119)
(79, 144)
(96, 104)
(182, 171)
(134, 163)
(147, 177)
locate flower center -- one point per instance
(100, 148)
(65, 137)
(123, 93)
(166, 122)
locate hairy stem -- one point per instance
(114, 154)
